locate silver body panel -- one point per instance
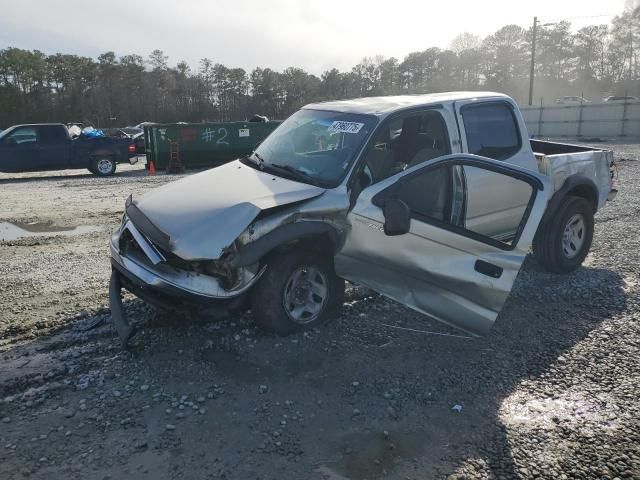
(432, 269)
(593, 165)
(495, 212)
(204, 213)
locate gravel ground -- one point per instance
(553, 391)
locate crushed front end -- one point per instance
(143, 264)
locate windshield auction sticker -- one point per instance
(346, 127)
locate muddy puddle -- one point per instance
(17, 230)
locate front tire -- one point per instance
(103, 166)
(564, 243)
(299, 291)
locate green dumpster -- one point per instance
(203, 145)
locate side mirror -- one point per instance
(397, 217)
(11, 142)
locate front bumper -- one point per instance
(162, 285)
(160, 278)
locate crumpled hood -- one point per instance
(204, 213)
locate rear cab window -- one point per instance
(491, 130)
(53, 134)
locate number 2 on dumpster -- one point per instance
(209, 135)
(221, 140)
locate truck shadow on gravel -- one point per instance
(355, 399)
(545, 318)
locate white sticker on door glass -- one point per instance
(243, 132)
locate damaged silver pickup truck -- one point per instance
(431, 200)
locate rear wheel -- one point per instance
(565, 241)
(299, 291)
(103, 166)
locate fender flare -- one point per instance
(254, 251)
(100, 152)
(581, 185)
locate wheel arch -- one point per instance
(102, 152)
(575, 185)
(588, 191)
(316, 235)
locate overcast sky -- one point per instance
(314, 35)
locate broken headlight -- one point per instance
(226, 275)
(230, 278)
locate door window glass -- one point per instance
(20, 136)
(483, 215)
(456, 197)
(429, 195)
(52, 135)
(404, 142)
(491, 130)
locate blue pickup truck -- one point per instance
(48, 146)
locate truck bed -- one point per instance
(560, 160)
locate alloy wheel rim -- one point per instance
(305, 294)
(573, 237)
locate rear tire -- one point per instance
(299, 291)
(564, 242)
(103, 166)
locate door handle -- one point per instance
(488, 269)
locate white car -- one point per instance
(621, 98)
(571, 100)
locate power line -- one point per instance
(552, 21)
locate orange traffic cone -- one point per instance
(152, 169)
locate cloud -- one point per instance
(273, 33)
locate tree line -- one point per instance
(118, 91)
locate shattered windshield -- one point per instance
(314, 146)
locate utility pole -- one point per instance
(532, 72)
(533, 59)
(631, 56)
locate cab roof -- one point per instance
(38, 125)
(383, 106)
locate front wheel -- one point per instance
(299, 291)
(565, 241)
(103, 166)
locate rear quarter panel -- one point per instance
(85, 149)
(592, 164)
